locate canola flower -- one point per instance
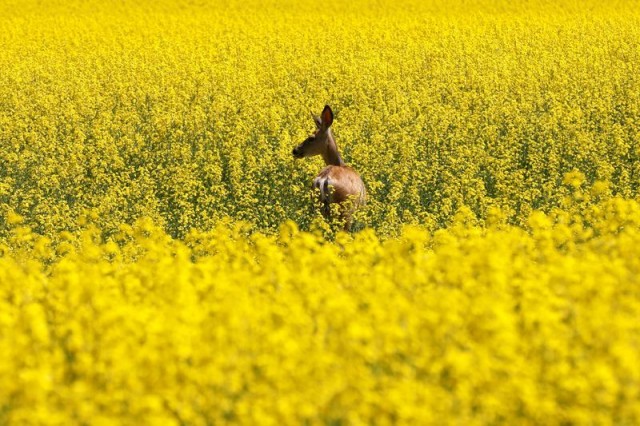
(161, 260)
(467, 325)
(186, 112)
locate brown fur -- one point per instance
(346, 183)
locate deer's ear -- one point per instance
(316, 120)
(327, 116)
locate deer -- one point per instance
(337, 183)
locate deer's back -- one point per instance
(345, 182)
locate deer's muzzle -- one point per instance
(297, 152)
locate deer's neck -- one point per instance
(331, 155)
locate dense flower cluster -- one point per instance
(162, 261)
(468, 325)
(186, 112)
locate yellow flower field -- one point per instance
(469, 325)
(187, 112)
(162, 260)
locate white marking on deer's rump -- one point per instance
(322, 183)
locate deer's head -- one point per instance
(319, 142)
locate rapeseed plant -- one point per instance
(186, 113)
(162, 260)
(470, 324)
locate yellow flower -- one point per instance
(14, 219)
(170, 263)
(575, 179)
